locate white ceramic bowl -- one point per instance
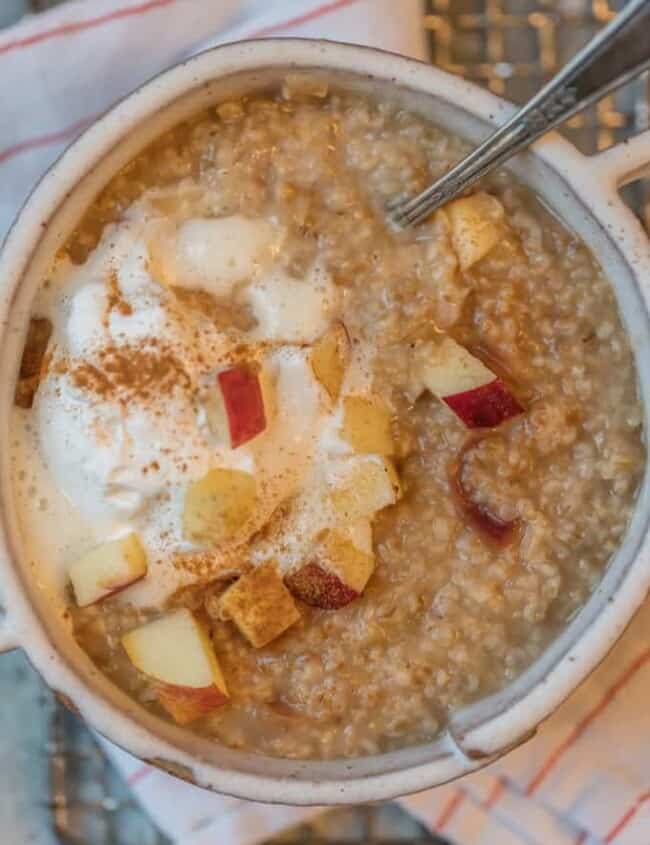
(581, 190)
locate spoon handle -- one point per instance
(618, 52)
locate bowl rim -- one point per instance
(389, 776)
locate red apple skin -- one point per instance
(486, 406)
(317, 587)
(494, 529)
(242, 396)
(485, 521)
(112, 589)
(187, 704)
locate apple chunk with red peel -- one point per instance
(476, 224)
(260, 605)
(492, 527)
(107, 569)
(186, 704)
(362, 485)
(176, 653)
(463, 382)
(336, 575)
(486, 406)
(329, 358)
(235, 406)
(367, 424)
(219, 507)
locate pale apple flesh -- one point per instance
(219, 507)
(107, 569)
(175, 651)
(216, 415)
(337, 574)
(465, 384)
(477, 225)
(363, 485)
(329, 358)
(367, 424)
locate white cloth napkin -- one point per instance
(585, 778)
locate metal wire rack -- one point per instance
(510, 46)
(91, 805)
(513, 46)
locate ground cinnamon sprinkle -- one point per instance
(114, 299)
(59, 368)
(213, 564)
(128, 372)
(205, 304)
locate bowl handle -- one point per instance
(625, 162)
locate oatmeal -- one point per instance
(315, 484)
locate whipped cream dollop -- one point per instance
(293, 310)
(215, 253)
(117, 421)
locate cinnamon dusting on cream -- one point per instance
(212, 563)
(114, 299)
(132, 372)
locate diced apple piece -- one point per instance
(447, 368)
(303, 86)
(478, 513)
(31, 365)
(176, 652)
(329, 358)
(260, 605)
(235, 406)
(318, 586)
(107, 569)
(472, 391)
(477, 224)
(336, 575)
(187, 704)
(363, 485)
(216, 415)
(486, 406)
(219, 506)
(242, 396)
(366, 424)
(359, 533)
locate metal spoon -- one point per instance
(618, 53)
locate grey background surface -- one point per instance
(25, 708)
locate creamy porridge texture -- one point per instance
(301, 481)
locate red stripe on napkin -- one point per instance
(584, 723)
(627, 817)
(139, 774)
(313, 15)
(495, 793)
(46, 140)
(449, 810)
(80, 26)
